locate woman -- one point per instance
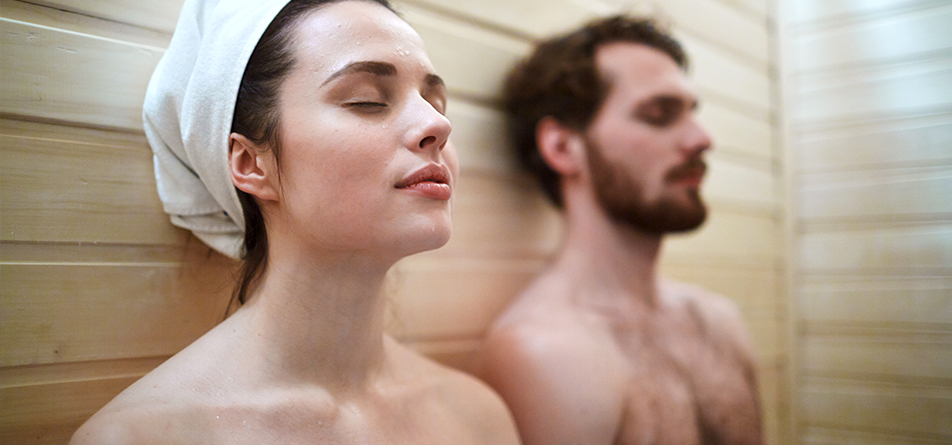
(338, 146)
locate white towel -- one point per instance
(188, 110)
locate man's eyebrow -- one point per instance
(375, 68)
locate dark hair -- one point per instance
(560, 79)
(257, 118)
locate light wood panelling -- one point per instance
(921, 358)
(153, 15)
(830, 436)
(916, 411)
(900, 36)
(855, 95)
(925, 141)
(893, 195)
(912, 249)
(870, 122)
(105, 85)
(868, 300)
(61, 190)
(744, 88)
(810, 11)
(533, 18)
(739, 238)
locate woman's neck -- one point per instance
(319, 320)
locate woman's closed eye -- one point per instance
(366, 105)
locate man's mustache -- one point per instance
(692, 168)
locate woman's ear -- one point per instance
(560, 147)
(253, 169)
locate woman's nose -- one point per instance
(431, 129)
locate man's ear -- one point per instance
(253, 169)
(560, 147)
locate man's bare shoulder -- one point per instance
(558, 369)
(718, 315)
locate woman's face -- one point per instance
(365, 160)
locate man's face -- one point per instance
(645, 145)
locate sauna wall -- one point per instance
(870, 134)
(98, 288)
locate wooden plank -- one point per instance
(877, 195)
(488, 55)
(104, 86)
(925, 249)
(480, 138)
(534, 18)
(914, 411)
(160, 16)
(501, 217)
(876, 300)
(56, 190)
(909, 141)
(896, 359)
(84, 21)
(919, 87)
(454, 298)
(738, 238)
(121, 311)
(736, 32)
(720, 78)
(738, 133)
(51, 413)
(738, 183)
(809, 11)
(900, 36)
(813, 435)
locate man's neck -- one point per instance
(611, 257)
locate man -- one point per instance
(599, 350)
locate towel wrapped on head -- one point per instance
(188, 113)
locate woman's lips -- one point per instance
(431, 181)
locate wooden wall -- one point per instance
(870, 131)
(98, 287)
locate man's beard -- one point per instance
(620, 195)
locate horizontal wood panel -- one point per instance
(453, 299)
(831, 436)
(488, 55)
(104, 86)
(889, 90)
(156, 15)
(738, 183)
(895, 36)
(502, 217)
(901, 194)
(153, 310)
(51, 413)
(819, 10)
(81, 20)
(738, 238)
(902, 250)
(877, 300)
(55, 190)
(736, 32)
(533, 18)
(882, 408)
(738, 133)
(913, 141)
(895, 359)
(720, 78)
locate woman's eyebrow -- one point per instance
(372, 67)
